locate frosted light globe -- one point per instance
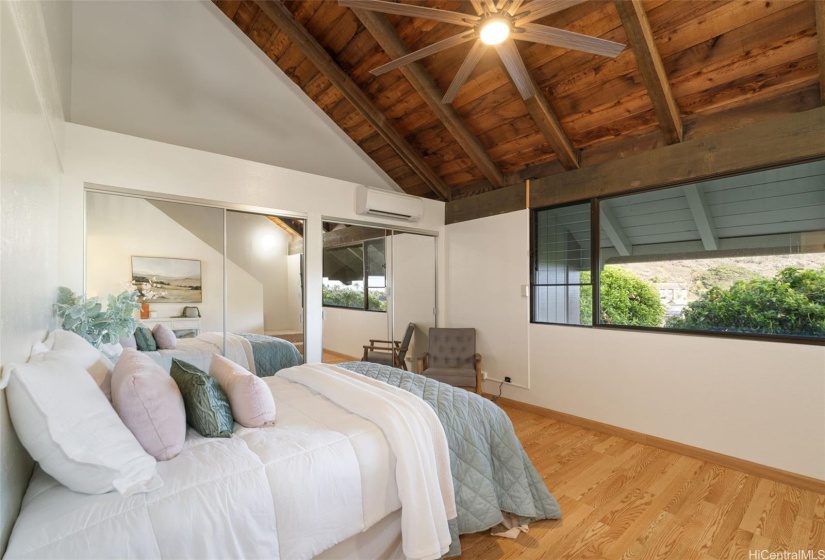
(495, 31)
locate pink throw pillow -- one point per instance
(249, 397)
(164, 337)
(149, 403)
(129, 341)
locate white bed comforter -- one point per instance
(199, 351)
(319, 476)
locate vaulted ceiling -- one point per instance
(692, 68)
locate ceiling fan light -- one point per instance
(495, 31)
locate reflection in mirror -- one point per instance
(414, 294)
(264, 276)
(354, 290)
(172, 253)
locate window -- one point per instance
(561, 265)
(741, 256)
(355, 276)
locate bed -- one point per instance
(324, 482)
(260, 354)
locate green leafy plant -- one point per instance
(345, 297)
(721, 276)
(792, 302)
(88, 318)
(625, 298)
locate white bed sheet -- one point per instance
(317, 478)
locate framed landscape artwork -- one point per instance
(167, 280)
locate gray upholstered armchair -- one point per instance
(452, 358)
(389, 352)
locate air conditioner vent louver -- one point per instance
(388, 204)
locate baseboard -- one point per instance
(749, 467)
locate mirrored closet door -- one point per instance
(376, 282)
(217, 278)
(264, 276)
(170, 252)
(354, 290)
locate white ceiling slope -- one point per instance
(180, 72)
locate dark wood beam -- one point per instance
(551, 129)
(315, 53)
(819, 11)
(778, 141)
(640, 36)
(794, 138)
(499, 201)
(386, 36)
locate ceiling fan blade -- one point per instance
(482, 7)
(538, 9)
(455, 18)
(568, 40)
(421, 53)
(515, 66)
(464, 71)
(513, 7)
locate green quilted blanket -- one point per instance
(491, 471)
(272, 354)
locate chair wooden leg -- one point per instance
(478, 375)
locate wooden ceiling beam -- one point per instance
(640, 37)
(420, 79)
(819, 10)
(780, 141)
(315, 53)
(551, 129)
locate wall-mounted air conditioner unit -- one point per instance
(388, 204)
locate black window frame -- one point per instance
(363, 245)
(595, 259)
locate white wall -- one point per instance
(760, 401)
(261, 248)
(413, 290)
(118, 227)
(347, 331)
(32, 77)
(183, 73)
(106, 158)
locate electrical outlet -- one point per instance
(484, 375)
(507, 380)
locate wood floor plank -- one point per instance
(622, 500)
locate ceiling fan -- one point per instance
(497, 24)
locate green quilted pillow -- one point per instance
(207, 409)
(145, 339)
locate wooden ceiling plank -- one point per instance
(317, 55)
(819, 10)
(412, 11)
(639, 35)
(385, 34)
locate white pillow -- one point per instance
(67, 425)
(68, 346)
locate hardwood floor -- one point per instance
(330, 357)
(624, 500)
